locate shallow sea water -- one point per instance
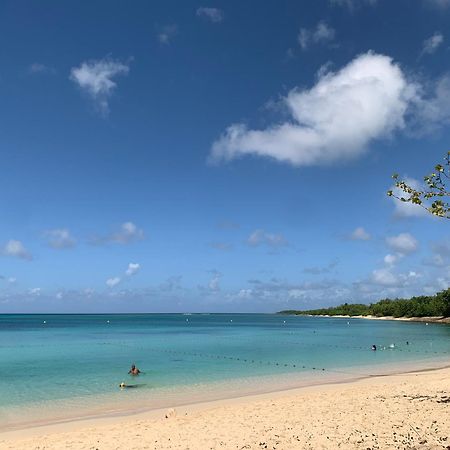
(57, 367)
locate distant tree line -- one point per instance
(423, 306)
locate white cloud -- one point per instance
(407, 209)
(404, 243)
(384, 277)
(96, 78)
(431, 44)
(323, 33)
(60, 238)
(390, 260)
(215, 15)
(432, 108)
(12, 280)
(245, 294)
(59, 295)
(260, 237)
(133, 269)
(35, 291)
(111, 282)
(214, 282)
(16, 249)
(127, 233)
(373, 92)
(38, 68)
(360, 234)
(167, 33)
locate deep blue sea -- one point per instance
(57, 367)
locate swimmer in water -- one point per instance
(127, 386)
(134, 370)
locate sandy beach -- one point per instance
(406, 411)
(437, 319)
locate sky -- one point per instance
(219, 156)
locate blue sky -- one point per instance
(223, 156)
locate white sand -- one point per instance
(409, 411)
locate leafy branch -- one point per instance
(434, 198)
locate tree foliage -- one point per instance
(434, 197)
(423, 306)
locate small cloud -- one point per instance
(384, 277)
(38, 68)
(360, 234)
(16, 249)
(215, 15)
(431, 44)
(390, 260)
(60, 238)
(11, 280)
(96, 79)
(167, 33)
(111, 282)
(59, 295)
(35, 291)
(261, 237)
(133, 269)
(214, 282)
(404, 243)
(323, 33)
(126, 234)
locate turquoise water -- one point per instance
(61, 366)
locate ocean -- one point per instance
(61, 367)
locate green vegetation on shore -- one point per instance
(424, 306)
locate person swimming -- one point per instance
(134, 370)
(128, 386)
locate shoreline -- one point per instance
(437, 319)
(113, 417)
(258, 418)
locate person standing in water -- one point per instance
(134, 370)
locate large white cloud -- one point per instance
(96, 78)
(334, 120)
